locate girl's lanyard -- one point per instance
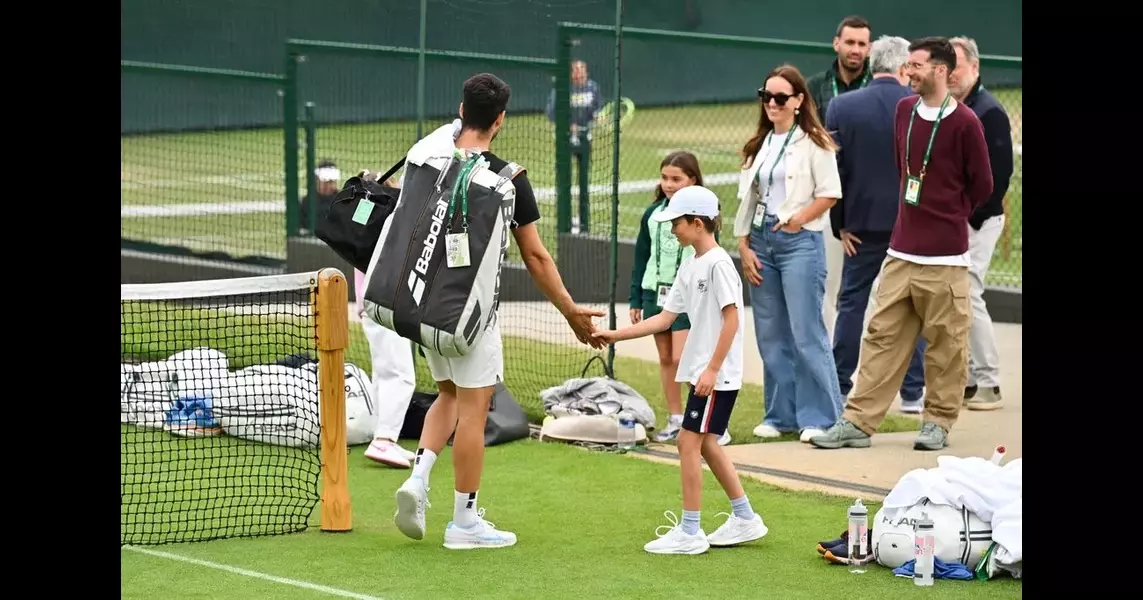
(663, 290)
(760, 211)
(864, 81)
(913, 182)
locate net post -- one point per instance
(331, 315)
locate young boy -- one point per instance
(708, 289)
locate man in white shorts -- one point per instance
(466, 383)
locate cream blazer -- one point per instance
(811, 172)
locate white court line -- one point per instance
(253, 574)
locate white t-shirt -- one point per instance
(703, 286)
(773, 145)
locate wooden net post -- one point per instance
(331, 315)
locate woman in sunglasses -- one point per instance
(788, 183)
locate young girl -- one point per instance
(658, 255)
(709, 290)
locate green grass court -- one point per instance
(582, 519)
(224, 191)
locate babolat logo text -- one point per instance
(417, 282)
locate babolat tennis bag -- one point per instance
(353, 222)
(435, 276)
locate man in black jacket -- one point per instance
(850, 70)
(986, 224)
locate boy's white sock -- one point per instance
(423, 464)
(464, 509)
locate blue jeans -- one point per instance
(800, 378)
(857, 276)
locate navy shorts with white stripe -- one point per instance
(710, 414)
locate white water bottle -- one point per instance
(858, 533)
(924, 547)
(626, 434)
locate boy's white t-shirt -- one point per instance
(703, 286)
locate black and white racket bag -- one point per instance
(435, 274)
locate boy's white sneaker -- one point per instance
(677, 541)
(412, 500)
(737, 530)
(481, 534)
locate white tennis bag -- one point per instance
(959, 534)
(435, 273)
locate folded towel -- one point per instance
(941, 570)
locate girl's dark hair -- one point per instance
(686, 162)
(807, 118)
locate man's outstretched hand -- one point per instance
(580, 320)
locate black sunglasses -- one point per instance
(766, 96)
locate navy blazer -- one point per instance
(861, 122)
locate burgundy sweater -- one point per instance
(957, 181)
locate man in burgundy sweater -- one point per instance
(924, 285)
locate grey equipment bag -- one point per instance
(410, 287)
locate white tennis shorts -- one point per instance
(483, 366)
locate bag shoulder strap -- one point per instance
(393, 169)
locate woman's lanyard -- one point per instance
(659, 254)
(932, 136)
(781, 152)
(864, 81)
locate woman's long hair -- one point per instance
(686, 162)
(807, 117)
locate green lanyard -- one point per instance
(659, 254)
(461, 187)
(864, 81)
(932, 136)
(782, 151)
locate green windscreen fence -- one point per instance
(336, 80)
(194, 179)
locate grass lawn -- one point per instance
(582, 519)
(224, 191)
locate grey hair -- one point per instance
(971, 51)
(888, 54)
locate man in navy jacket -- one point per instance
(861, 122)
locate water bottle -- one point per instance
(858, 534)
(626, 434)
(924, 547)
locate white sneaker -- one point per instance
(766, 431)
(389, 453)
(724, 439)
(915, 407)
(809, 433)
(737, 530)
(669, 433)
(412, 500)
(677, 541)
(482, 534)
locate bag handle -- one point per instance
(393, 169)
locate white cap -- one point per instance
(328, 174)
(693, 200)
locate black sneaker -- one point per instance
(827, 545)
(838, 552)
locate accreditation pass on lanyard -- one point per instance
(456, 250)
(760, 209)
(913, 182)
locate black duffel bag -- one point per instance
(507, 421)
(352, 224)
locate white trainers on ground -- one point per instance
(412, 500)
(766, 431)
(669, 433)
(737, 530)
(481, 534)
(389, 453)
(809, 433)
(677, 541)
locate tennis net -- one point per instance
(232, 407)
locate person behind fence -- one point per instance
(788, 182)
(658, 255)
(585, 104)
(862, 124)
(924, 284)
(710, 291)
(986, 224)
(328, 185)
(466, 383)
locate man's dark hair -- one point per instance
(326, 163)
(854, 21)
(941, 51)
(485, 97)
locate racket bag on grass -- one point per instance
(410, 287)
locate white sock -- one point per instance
(464, 509)
(423, 464)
